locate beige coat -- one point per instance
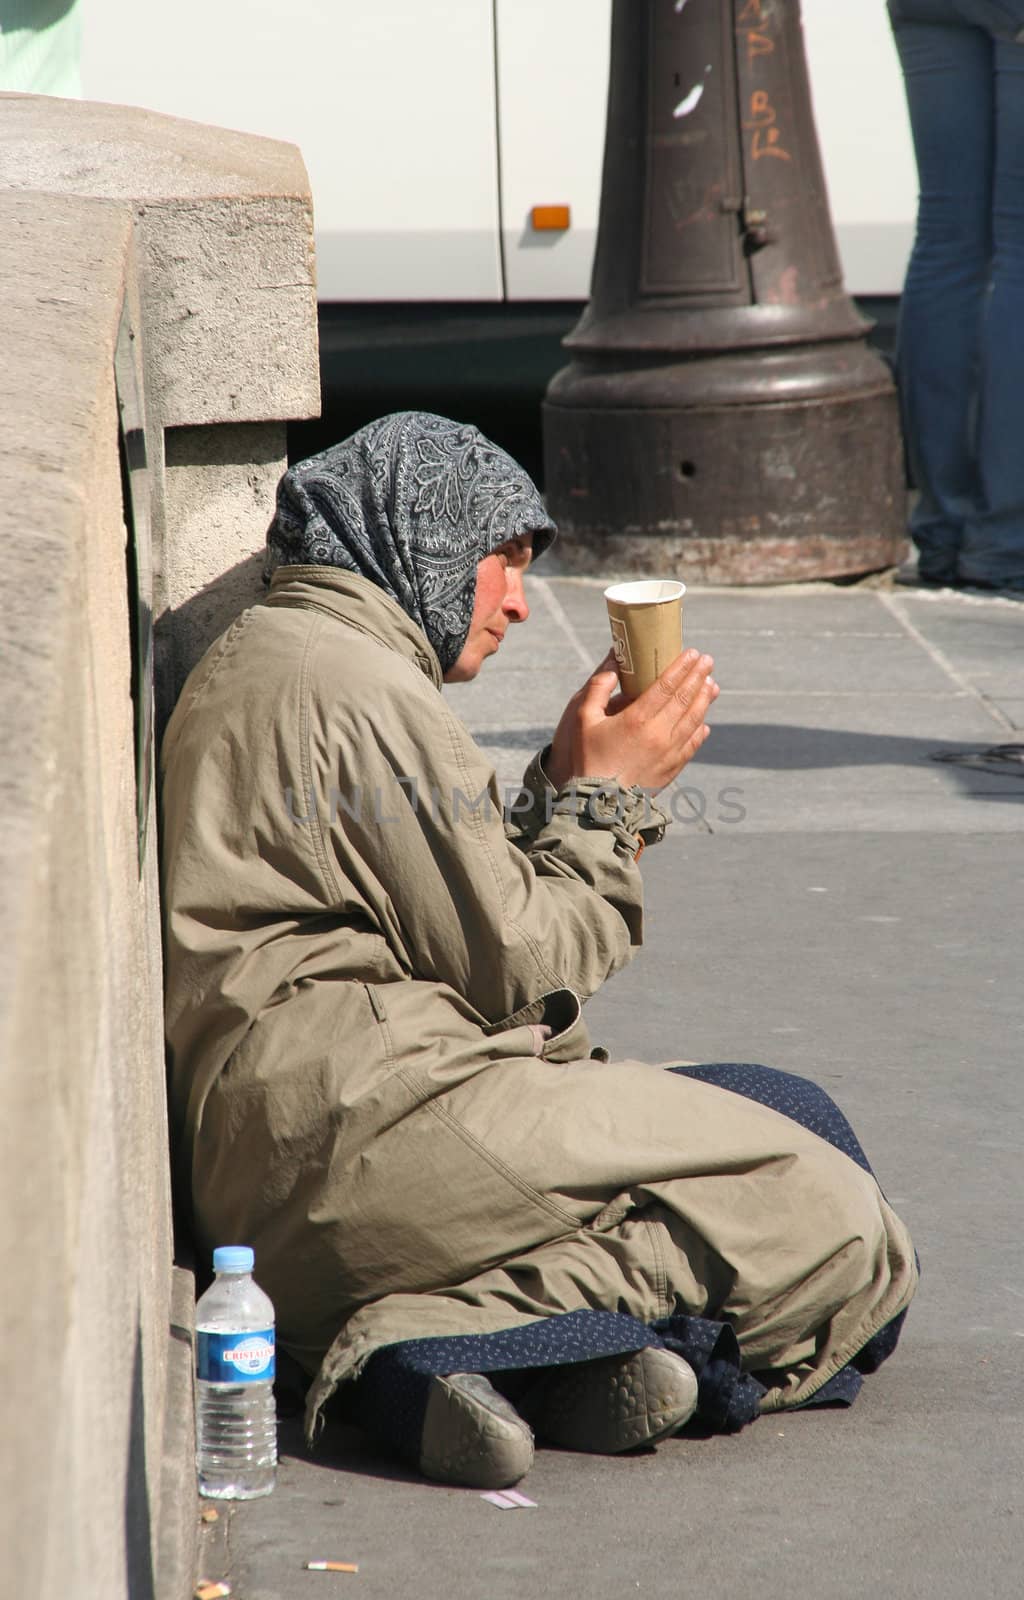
(356, 946)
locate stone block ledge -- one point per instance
(158, 282)
(225, 227)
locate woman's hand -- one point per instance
(647, 741)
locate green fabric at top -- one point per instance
(40, 47)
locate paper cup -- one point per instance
(647, 630)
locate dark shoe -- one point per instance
(1010, 586)
(910, 577)
(472, 1436)
(613, 1404)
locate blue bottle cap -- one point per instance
(233, 1258)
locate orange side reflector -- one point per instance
(549, 219)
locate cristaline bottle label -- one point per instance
(235, 1357)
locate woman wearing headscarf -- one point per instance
(380, 1074)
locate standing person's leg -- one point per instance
(947, 69)
(993, 547)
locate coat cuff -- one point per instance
(630, 813)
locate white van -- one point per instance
(432, 130)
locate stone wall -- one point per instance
(157, 275)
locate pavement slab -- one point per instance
(861, 923)
(849, 703)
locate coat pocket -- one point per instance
(561, 1010)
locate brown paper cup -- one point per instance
(647, 629)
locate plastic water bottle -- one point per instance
(236, 1423)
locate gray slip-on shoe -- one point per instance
(472, 1435)
(615, 1403)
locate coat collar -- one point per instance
(359, 603)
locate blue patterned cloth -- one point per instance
(389, 1398)
(807, 1103)
(797, 1098)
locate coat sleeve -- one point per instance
(423, 844)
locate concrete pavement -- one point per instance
(834, 900)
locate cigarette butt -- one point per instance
(211, 1591)
(209, 1515)
(330, 1566)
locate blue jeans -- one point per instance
(960, 347)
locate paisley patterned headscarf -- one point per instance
(412, 502)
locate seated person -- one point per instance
(380, 1074)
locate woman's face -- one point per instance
(499, 601)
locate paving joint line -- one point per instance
(676, 787)
(561, 617)
(944, 664)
